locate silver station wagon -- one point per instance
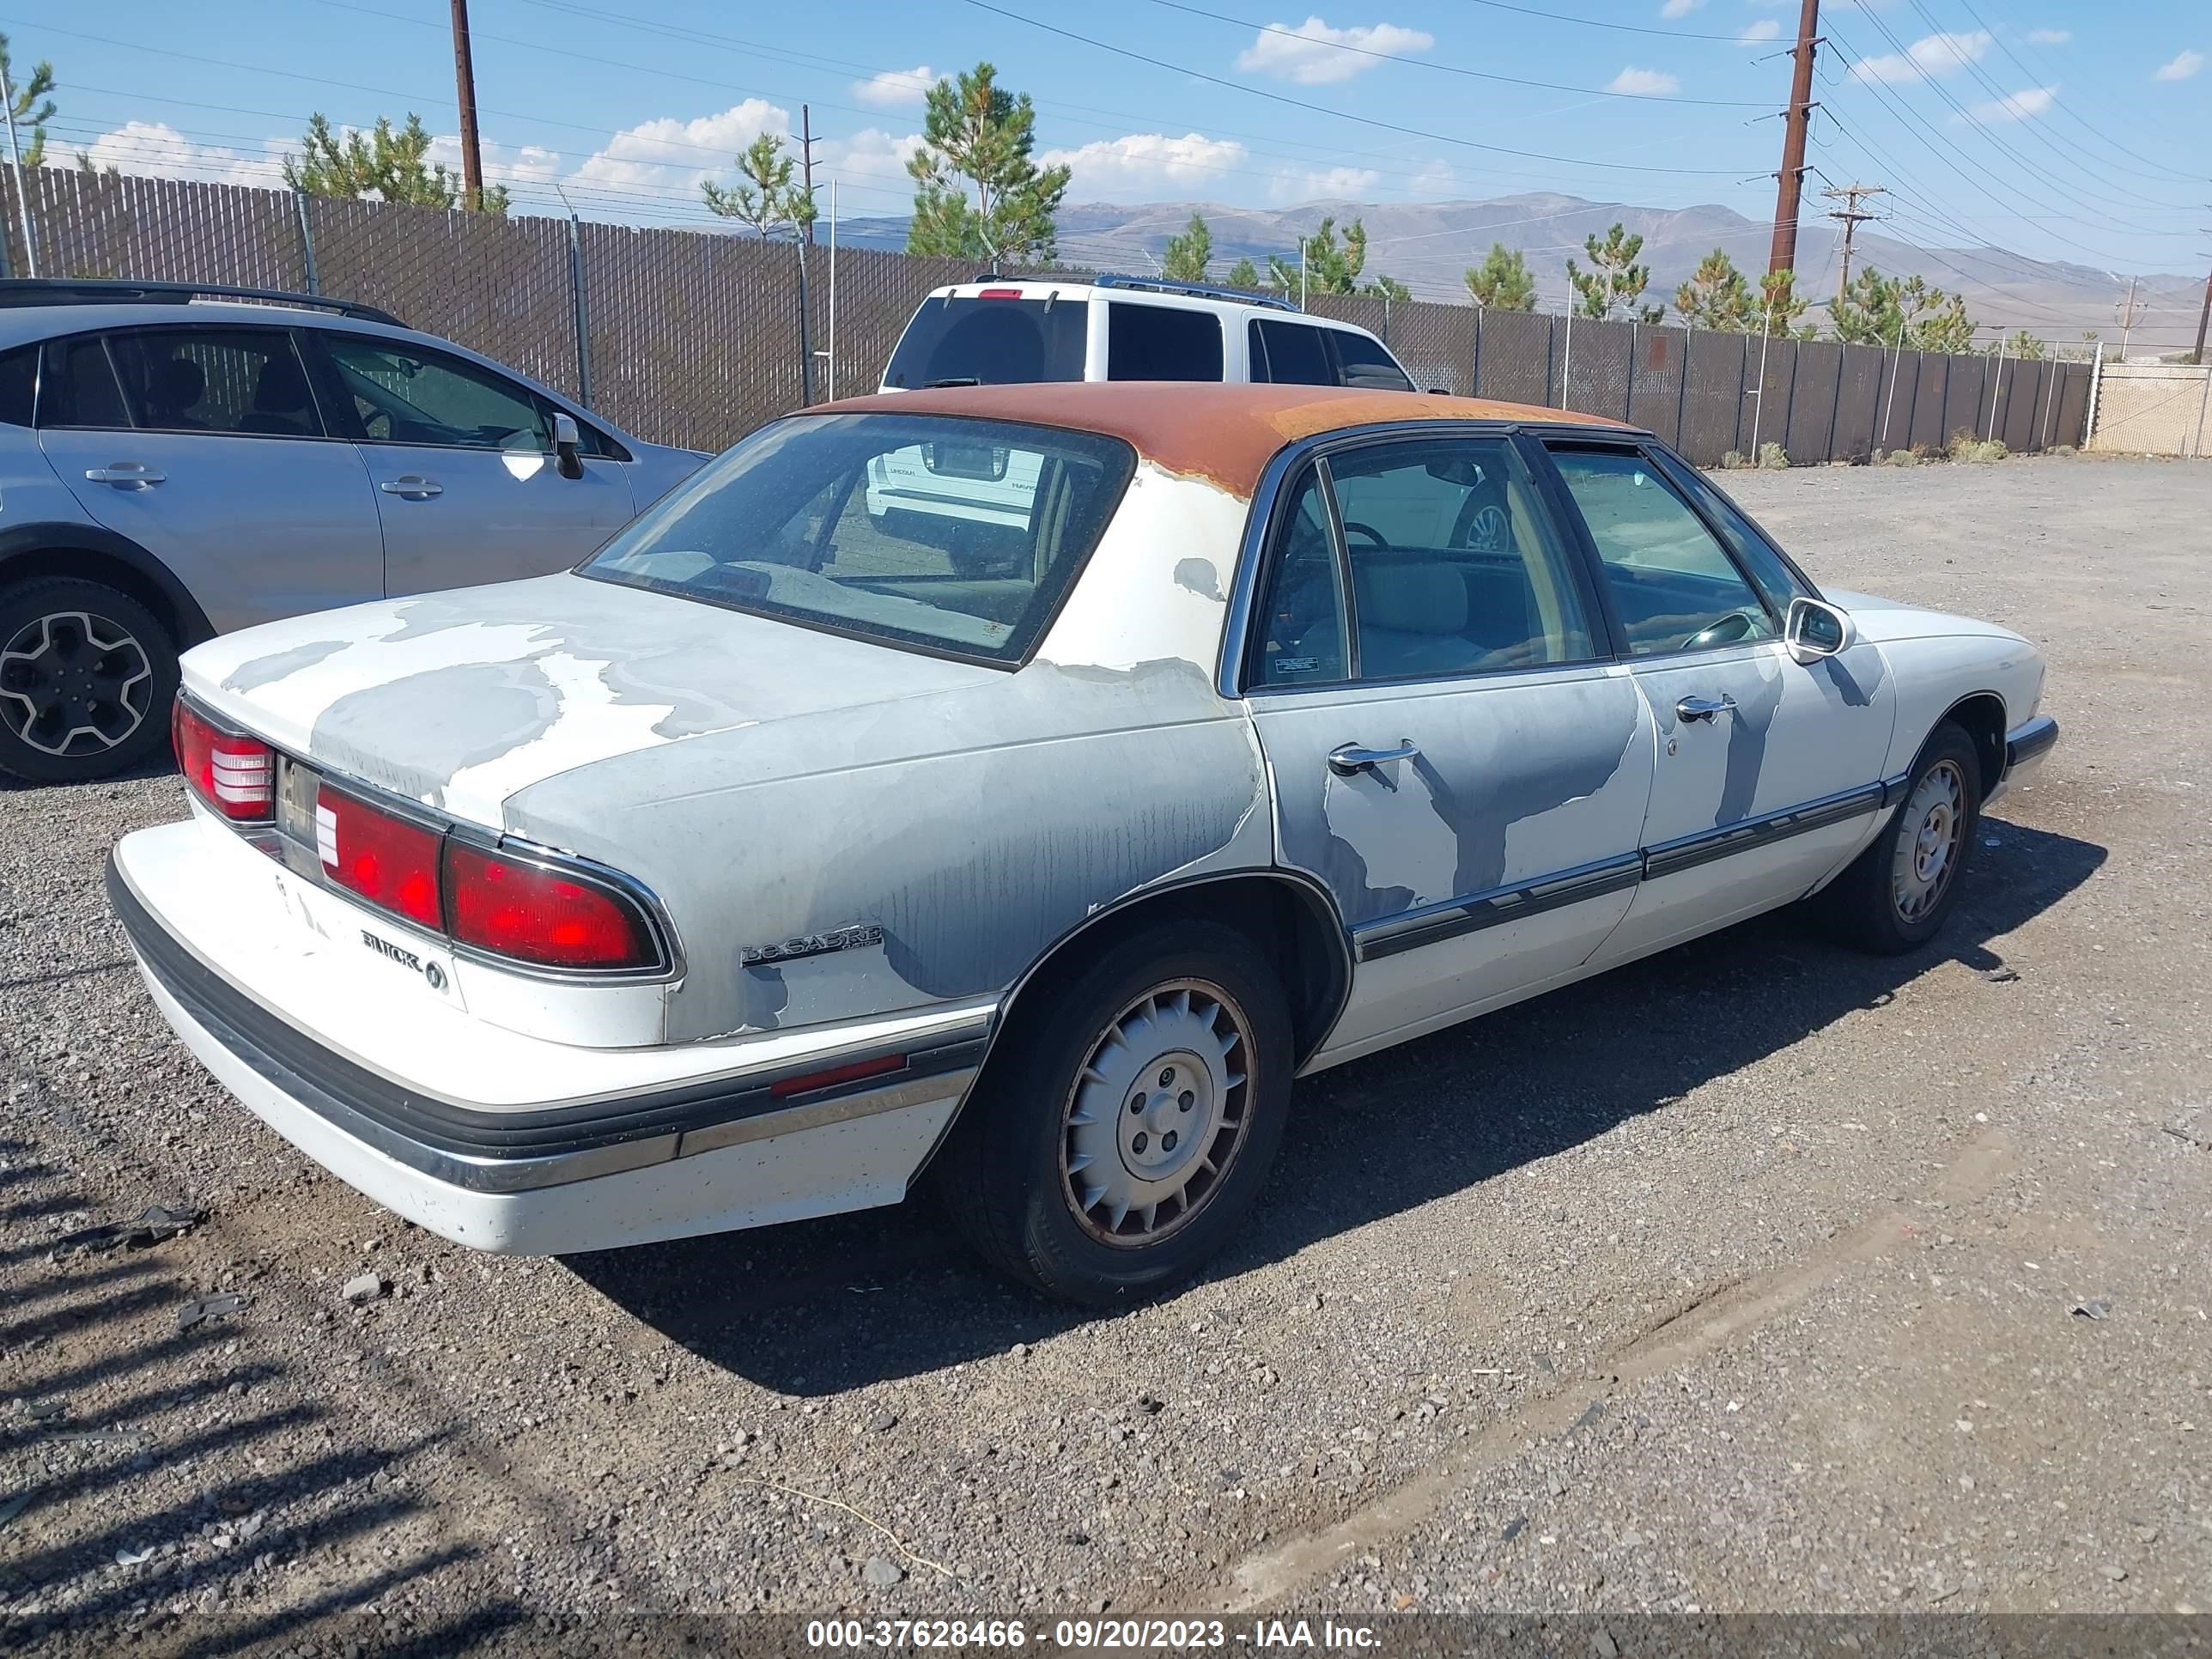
(811, 839)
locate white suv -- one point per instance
(998, 330)
(974, 500)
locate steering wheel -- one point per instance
(1367, 529)
(1721, 631)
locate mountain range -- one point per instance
(1427, 245)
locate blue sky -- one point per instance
(2051, 127)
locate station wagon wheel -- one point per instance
(86, 678)
(1125, 1123)
(1157, 1116)
(1895, 896)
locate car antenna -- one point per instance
(950, 380)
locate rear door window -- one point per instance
(1162, 342)
(215, 380)
(19, 384)
(1363, 361)
(1009, 342)
(1291, 353)
(76, 387)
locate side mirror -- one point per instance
(1815, 630)
(568, 447)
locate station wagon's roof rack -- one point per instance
(61, 291)
(1196, 290)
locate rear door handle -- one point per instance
(1348, 758)
(131, 475)
(1705, 708)
(413, 485)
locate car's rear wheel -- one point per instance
(1896, 895)
(1122, 1136)
(86, 676)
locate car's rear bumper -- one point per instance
(2026, 746)
(735, 1144)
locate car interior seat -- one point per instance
(281, 400)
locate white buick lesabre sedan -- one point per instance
(814, 834)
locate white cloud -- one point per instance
(1931, 57)
(1331, 185)
(1140, 161)
(871, 157)
(2022, 105)
(524, 165)
(1644, 83)
(155, 150)
(1312, 53)
(1675, 8)
(1764, 28)
(671, 155)
(896, 88)
(2183, 64)
(2049, 37)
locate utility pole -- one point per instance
(15, 157)
(1791, 181)
(2203, 316)
(806, 164)
(1852, 219)
(464, 82)
(2129, 317)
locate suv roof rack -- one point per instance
(1196, 290)
(58, 291)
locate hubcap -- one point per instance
(74, 684)
(1928, 852)
(1158, 1113)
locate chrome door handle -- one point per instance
(1705, 708)
(413, 486)
(1349, 758)
(135, 474)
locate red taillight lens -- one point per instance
(236, 776)
(999, 294)
(532, 914)
(386, 859)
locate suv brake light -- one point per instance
(235, 775)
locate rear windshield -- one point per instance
(991, 342)
(956, 536)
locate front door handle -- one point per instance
(131, 475)
(1347, 759)
(1705, 708)
(413, 485)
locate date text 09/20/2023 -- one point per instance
(1087, 1633)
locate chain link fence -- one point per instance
(694, 337)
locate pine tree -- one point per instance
(1187, 256)
(391, 164)
(1502, 282)
(1716, 296)
(975, 132)
(764, 196)
(1246, 275)
(1332, 267)
(33, 109)
(1615, 280)
(1879, 310)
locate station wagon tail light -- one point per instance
(234, 775)
(391, 863)
(1000, 293)
(523, 910)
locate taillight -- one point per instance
(999, 294)
(525, 911)
(235, 775)
(386, 859)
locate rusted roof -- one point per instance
(1226, 433)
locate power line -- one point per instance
(1344, 115)
(1600, 23)
(1441, 69)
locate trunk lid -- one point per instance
(461, 698)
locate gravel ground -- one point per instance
(1749, 1277)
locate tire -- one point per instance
(1013, 1173)
(1892, 899)
(86, 677)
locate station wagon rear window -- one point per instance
(956, 536)
(991, 342)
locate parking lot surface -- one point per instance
(1758, 1276)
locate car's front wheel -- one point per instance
(1896, 895)
(86, 676)
(1121, 1137)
